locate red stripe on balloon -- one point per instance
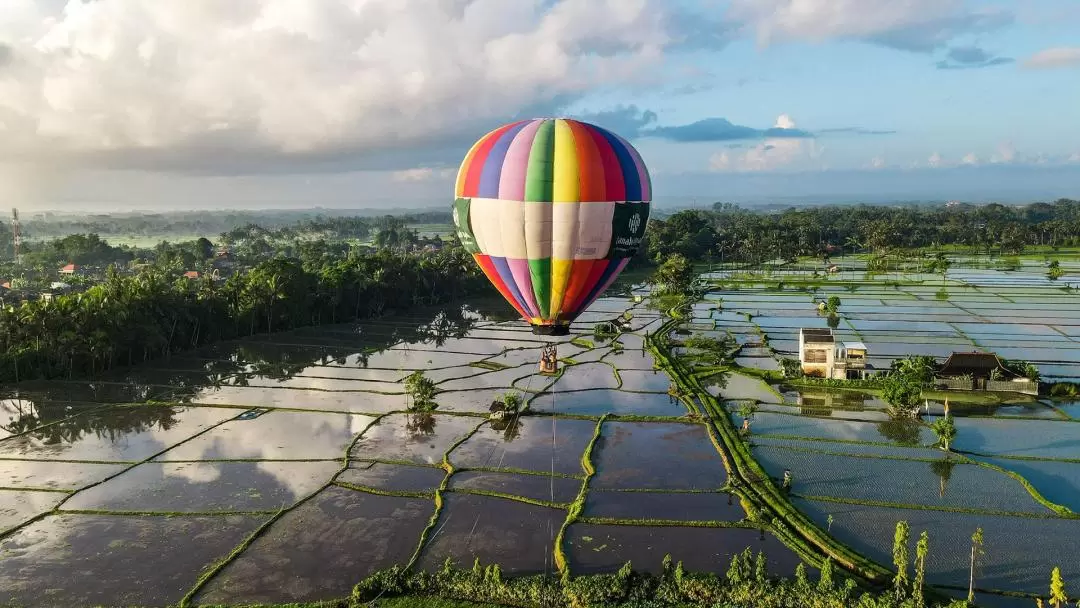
(492, 274)
(478, 160)
(614, 184)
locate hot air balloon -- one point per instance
(552, 210)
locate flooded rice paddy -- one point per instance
(1015, 470)
(293, 455)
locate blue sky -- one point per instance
(120, 104)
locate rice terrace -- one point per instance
(288, 467)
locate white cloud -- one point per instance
(771, 154)
(935, 160)
(1075, 158)
(1058, 57)
(970, 159)
(414, 175)
(1006, 153)
(131, 79)
(910, 24)
(784, 122)
(877, 162)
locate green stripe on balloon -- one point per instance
(540, 272)
(540, 176)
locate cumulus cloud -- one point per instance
(1059, 57)
(1075, 157)
(935, 160)
(914, 25)
(774, 153)
(969, 159)
(197, 83)
(877, 162)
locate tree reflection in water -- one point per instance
(510, 427)
(943, 469)
(42, 410)
(903, 430)
(418, 425)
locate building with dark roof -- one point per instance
(974, 364)
(975, 371)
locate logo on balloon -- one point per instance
(456, 217)
(635, 223)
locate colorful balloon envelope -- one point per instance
(552, 210)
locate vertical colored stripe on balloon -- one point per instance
(538, 179)
(488, 268)
(565, 187)
(540, 269)
(612, 273)
(566, 191)
(590, 166)
(516, 163)
(560, 279)
(578, 283)
(521, 269)
(479, 159)
(503, 268)
(587, 282)
(630, 180)
(463, 170)
(644, 179)
(491, 175)
(614, 188)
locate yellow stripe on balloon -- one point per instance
(560, 278)
(567, 187)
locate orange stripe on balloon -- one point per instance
(492, 274)
(590, 166)
(584, 283)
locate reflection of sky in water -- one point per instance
(301, 399)
(1019, 551)
(86, 560)
(94, 436)
(892, 481)
(768, 423)
(1058, 482)
(739, 386)
(275, 435)
(207, 486)
(586, 376)
(413, 437)
(536, 444)
(1039, 438)
(17, 507)
(54, 475)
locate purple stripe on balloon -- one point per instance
(508, 279)
(493, 164)
(520, 269)
(516, 163)
(643, 173)
(606, 279)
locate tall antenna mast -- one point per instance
(16, 234)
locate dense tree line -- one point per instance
(128, 319)
(727, 232)
(343, 223)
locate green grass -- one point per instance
(429, 602)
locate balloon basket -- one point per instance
(551, 330)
